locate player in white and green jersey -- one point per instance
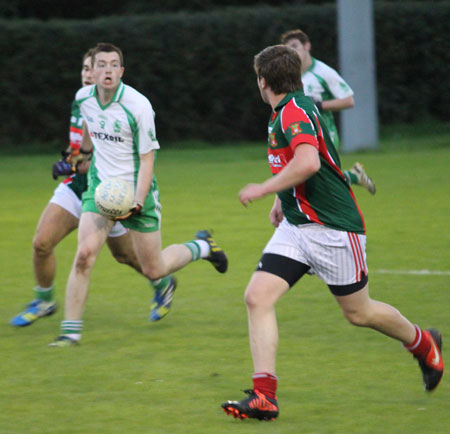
(119, 129)
(330, 93)
(60, 217)
(319, 230)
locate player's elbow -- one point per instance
(350, 102)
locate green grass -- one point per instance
(132, 376)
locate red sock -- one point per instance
(265, 383)
(421, 343)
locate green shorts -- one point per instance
(149, 220)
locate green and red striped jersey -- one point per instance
(78, 181)
(326, 198)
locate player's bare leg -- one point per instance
(262, 293)
(54, 225)
(156, 263)
(123, 251)
(425, 345)
(361, 310)
(92, 234)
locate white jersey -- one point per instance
(323, 83)
(120, 130)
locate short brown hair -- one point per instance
(281, 67)
(106, 47)
(294, 34)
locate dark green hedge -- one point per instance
(196, 68)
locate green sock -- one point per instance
(195, 249)
(45, 294)
(160, 283)
(350, 177)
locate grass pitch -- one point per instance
(132, 376)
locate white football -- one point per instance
(114, 197)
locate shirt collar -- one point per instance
(287, 98)
(117, 94)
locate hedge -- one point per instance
(196, 68)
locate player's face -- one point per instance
(86, 72)
(301, 49)
(107, 70)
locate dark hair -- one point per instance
(294, 34)
(106, 47)
(281, 67)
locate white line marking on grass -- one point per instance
(415, 272)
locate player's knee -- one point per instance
(42, 246)
(153, 272)
(253, 298)
(85, 259)
(359, 318)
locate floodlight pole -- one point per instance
(356, 45)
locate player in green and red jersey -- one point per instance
(330, 93)
(319, 230)
(61, 217)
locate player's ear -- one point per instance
(262, 82)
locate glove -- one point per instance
(135, 210)
(62, 167)
(317, 103)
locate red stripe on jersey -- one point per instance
(291, 114)
(68, 180)
(304, 205)
(75, 135)
(355, 256)
(323, 150)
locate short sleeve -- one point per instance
(337, 85)
(146, 129)
(297, 126)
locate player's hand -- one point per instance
(251, 192)
(135, 210)
(317, 103)
(276, 214)
(60, 168)
(83, 166)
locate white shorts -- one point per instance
(337, 257)
(66, 198)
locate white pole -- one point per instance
(356, 45)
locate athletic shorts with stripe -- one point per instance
(68, 200)
(337, 257)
